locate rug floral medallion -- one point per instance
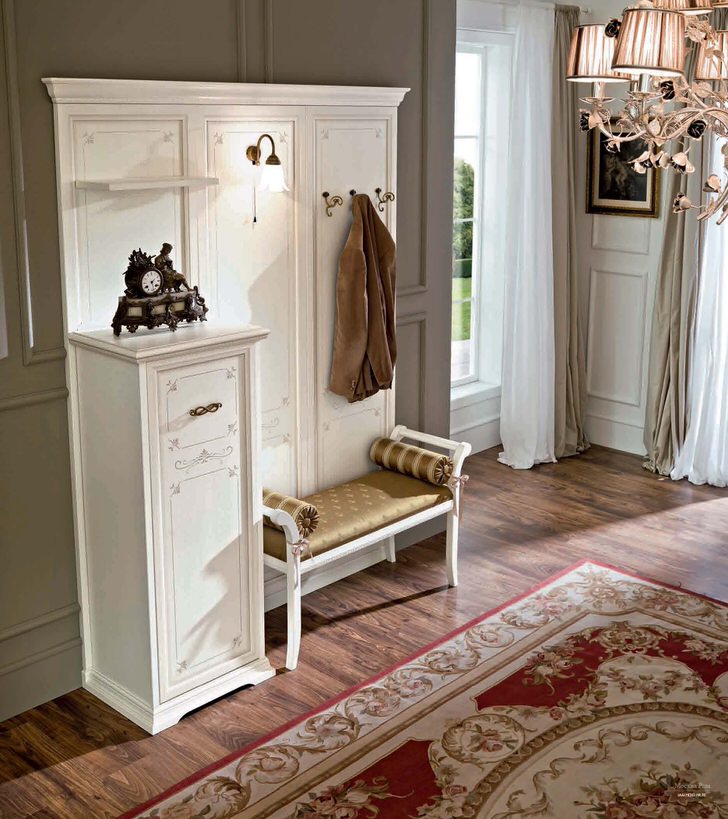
(598, 696)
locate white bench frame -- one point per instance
(293, 567)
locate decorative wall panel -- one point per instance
(623, 234)
(617, 299)
(351, 154)
(126, 148)
(258, 275)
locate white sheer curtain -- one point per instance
(527, 398)
(703, 457)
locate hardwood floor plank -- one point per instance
(75, 758)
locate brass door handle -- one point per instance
(214, 407)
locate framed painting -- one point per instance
(613, 186)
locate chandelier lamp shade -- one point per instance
(590, 56)
(665, 110)
(651, 41)
(712, 62)
(688, 6)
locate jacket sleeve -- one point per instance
(351, 331)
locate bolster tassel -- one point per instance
(457, 485)
(297, 549)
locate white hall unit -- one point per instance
(168, 505)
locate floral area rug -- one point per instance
(597, 696)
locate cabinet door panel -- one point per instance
(204, 572)
(351, 153)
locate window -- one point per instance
(482, 112)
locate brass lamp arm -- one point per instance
(253, 151)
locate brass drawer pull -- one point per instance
(204, 410)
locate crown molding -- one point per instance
(64, 90)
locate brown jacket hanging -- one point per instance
(365, 346)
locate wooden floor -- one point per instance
(76, 758)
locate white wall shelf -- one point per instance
(146, 183)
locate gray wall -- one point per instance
(374, 42)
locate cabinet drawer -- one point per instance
(210, 390)
(202, 534)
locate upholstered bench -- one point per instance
(412, 486)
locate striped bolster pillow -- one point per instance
(411, 460)
(304, 514)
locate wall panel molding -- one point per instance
(634, 230)
(421, 286)
(31, 398)
(3, 314)
(36, 622)
(633, 395)
(39, 656)
(419, 319)
(268, 40)
(31, 355)
(241, 45)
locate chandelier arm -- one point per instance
(680, 110)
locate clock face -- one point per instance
(151, 282)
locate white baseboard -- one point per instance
(119, 698)
(619, 435)
(154, 719)
(480, 436)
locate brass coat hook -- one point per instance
(331, 203)
(382, 200)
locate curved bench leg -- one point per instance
(451, 548)
(293, 610)
(390, 550)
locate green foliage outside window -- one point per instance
(463, 197)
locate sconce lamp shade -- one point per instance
(272, 179)
(651, 41)
(686, 6)
(590, 56)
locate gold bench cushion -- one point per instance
(356, 508)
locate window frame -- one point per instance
(479, 137)
(477, 385)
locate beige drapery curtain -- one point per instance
(673, 313)
(570, 369)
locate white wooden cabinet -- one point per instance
(168, 541)
(170, 569)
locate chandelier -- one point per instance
(667, 107)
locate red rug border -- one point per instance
(233, 755)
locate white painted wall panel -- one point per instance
(614, 369)
(618, 260)
(253, 251)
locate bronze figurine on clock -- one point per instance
(154, 294)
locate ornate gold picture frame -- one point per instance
(613, 186)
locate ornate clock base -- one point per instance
(153, 311)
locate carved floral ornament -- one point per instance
(664, 109)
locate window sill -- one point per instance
(474, 393)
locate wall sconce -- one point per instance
(271, 179)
